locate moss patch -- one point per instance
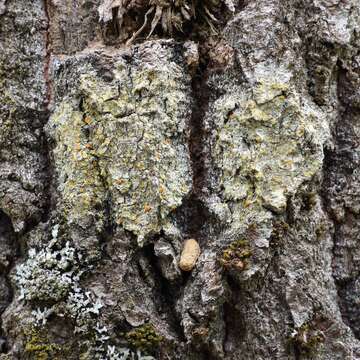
(38, 346)
(144, 338)
(236, 256)
(308, 339)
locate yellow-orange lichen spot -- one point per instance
(147, 208)
(189, 255)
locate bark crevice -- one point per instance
(165, 293)
(194, 210)
(339, 166)
(9, 253)
(47, 58)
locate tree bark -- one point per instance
(114, 153)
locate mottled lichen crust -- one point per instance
(127, 141)
(268, 141)
(79, 180)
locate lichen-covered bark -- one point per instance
(113, 155)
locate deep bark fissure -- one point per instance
(45, 149)
(201, 96)
(194, 209)
(9, 246)
(165, 294)
(338, 163)
(47, 58)
(234, 325)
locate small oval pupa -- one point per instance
(189, 255)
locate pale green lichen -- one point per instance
(269, 141)
(128, 141)
(79, 179)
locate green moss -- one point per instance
(236, 256)
(38, 346)
(308, 339)
(320, 230)
(144, 338)
(279, 229)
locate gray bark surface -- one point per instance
(113, 153)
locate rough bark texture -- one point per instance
(113, 154)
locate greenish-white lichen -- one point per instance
(269, 141)
(48, 274)
(128, 141)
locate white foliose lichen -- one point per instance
(53, 274)
(48, 274)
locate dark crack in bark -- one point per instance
(9, 252)
(165, 293)
(193, 215)
(338, 193)
(47, 58)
